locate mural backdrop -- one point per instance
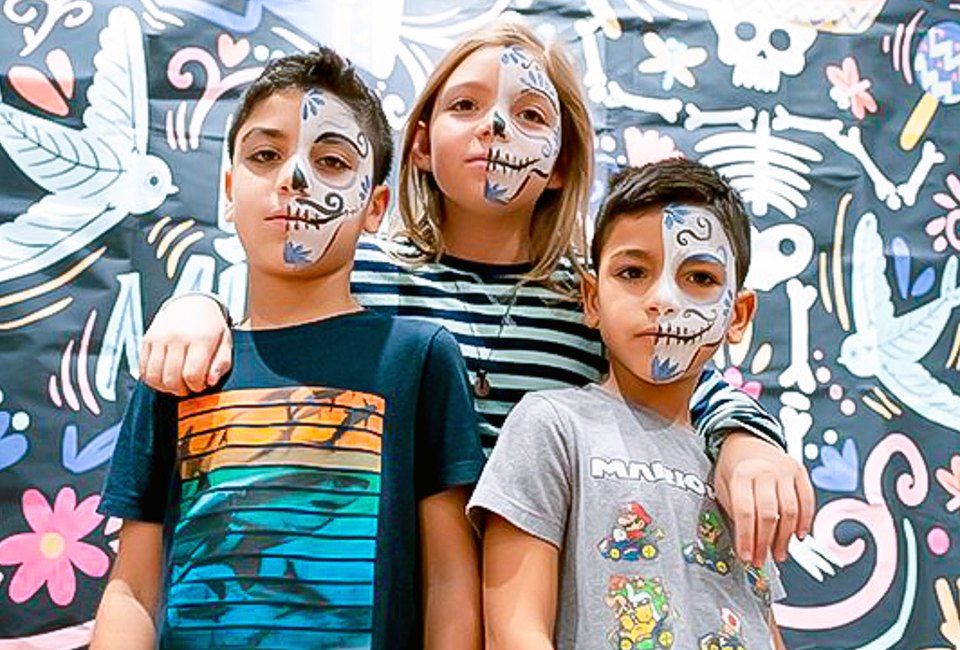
(836, 119)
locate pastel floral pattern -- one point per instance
(734, 377)
(50, 552)
(647, 146)
(949, 479)
(673, 59)
(944, 228)
(849, 91)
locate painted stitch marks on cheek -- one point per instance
(331, 180)
(696, 289)
(526, 127)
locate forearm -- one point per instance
(123, 621)
(516, 633)
(452, 616)
(778, 643)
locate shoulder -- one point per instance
(556, 409)
(398, 252)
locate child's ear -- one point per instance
(228, 193)
(591, 300)
(379, 201)
(744, 309)
(420, 151)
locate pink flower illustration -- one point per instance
(648, 146)
(734, 377)
(944, 229)
(849, 90)
(949, 479)
(48, 554)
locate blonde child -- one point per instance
(496, 168)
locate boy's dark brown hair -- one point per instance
(676, 180)
(326, 70)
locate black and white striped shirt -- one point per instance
(523, 337)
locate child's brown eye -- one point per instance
(334, 163)
(533, 115)
(632, 273)
(461, 105)
(264, 155)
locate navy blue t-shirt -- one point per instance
(289, 493)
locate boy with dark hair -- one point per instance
(602, 527)
(314, 498)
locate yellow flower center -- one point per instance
(52, 545)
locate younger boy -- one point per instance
(602, 528)
(315, 498)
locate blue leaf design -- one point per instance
(97, 452)
(673, 215)
(901, 265)
(663, 369)
(494, 192)
(13, 446)
(923, 283)
(296, 253)
(838, 471)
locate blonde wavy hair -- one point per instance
(555, 231)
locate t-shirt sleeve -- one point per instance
(527, 480)
(141, 469)
(448, 437)
(717, 408)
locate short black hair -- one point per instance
(675, 180)
(323, 69)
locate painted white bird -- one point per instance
(95, 175)
(890, 347)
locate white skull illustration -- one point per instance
(760, 43)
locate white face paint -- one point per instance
(332, 177)
(686, 323)
(526, 126)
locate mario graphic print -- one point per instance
(633, 536)
(727, 637)
(711, 549)
(643, 613)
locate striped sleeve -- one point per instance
(717, 408)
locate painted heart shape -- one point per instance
(838, 471)
(48, 92)
(13, 446)
(232, 52)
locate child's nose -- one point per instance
(494, 125)
(294, 179)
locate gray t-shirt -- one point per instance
(646, 559)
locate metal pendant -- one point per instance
(481, 385)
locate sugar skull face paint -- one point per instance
(695, 290)
(332, 177)
(526, 126)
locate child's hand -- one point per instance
(187, 346)
(766, 493)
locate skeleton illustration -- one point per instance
(759, 43)
(767, 170)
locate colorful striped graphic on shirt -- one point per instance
(276, 541)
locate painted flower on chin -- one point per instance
(48, 554)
